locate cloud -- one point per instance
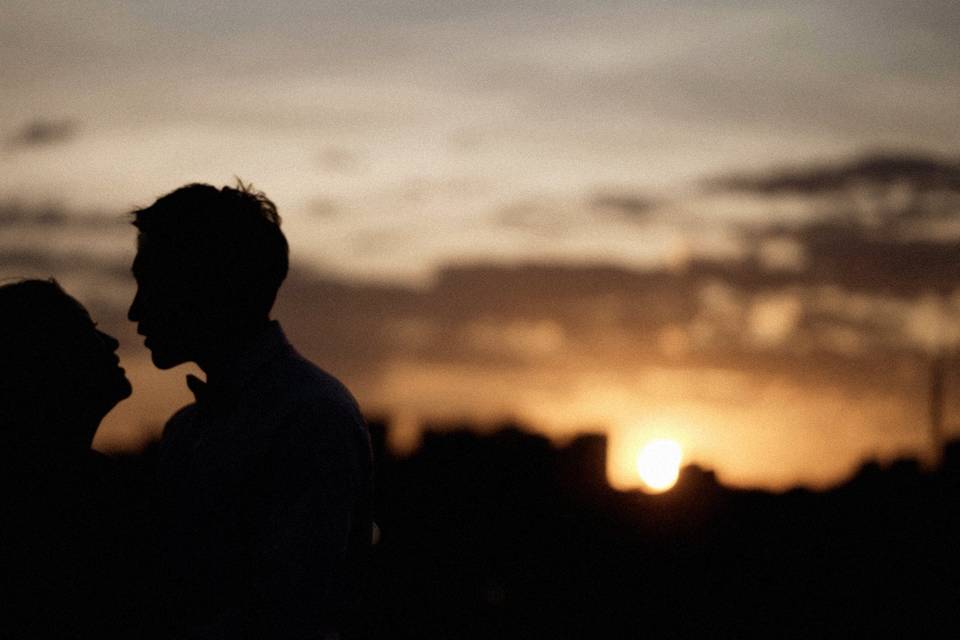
(726, 314)
(887, 224)
(884, 223)
(340, 160)
(43, 132)
(632, 206)
(548, 219)
(15, 214)
(847, 256)
(325, 208)
(919, 171)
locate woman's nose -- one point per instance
(109, 340)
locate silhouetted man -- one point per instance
(265, 479)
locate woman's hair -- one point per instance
(38, 322)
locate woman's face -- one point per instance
(59, 374)
(90, 366)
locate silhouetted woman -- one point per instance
(61, 526)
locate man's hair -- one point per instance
(226, 244)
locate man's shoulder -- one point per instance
(317, 410)
(303, 384)
(183, 415)
(179, 423)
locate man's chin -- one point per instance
(162, 360)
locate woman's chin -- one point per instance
(112, 394)
(124, 388)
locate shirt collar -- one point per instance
(268, 345)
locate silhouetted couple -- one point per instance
(263, 483)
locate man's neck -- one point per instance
(219, 360)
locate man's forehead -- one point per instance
(146, 258)
(159, 270)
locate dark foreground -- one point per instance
(508, 536)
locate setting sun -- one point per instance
(659, 464)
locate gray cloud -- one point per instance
(340, 160)
(544, 219)
(631, 206)
(43, 132)
(15, 214)
(883, 221)
(325, 208)
(920, 171)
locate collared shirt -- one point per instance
(266, 483)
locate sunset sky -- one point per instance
(735, 225)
